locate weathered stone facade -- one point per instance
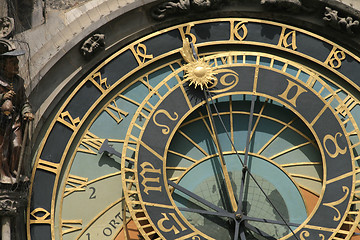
(65, 4)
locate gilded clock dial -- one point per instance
(138, 142)
(188, 185)
(284, 159)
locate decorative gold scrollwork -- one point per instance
(333, 204)
(165, 129)
(224, 80)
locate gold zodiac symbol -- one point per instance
(149, 168)
(299, 91)
(223, 80)
(306, 234)
(173, 227)
(332, 204)
(334, 140)
(165, 129)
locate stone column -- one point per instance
(13, 200)
(5, 228)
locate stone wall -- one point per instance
(64, 4)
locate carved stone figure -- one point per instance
(6, 26)
(15, 111)
(92, 45)
(346, 24)
(169, 8)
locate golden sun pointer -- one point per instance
(199, 73)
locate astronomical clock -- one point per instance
(226, 128)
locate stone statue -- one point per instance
(15, 111)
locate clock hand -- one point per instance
(245, 168)
(225, 172)
(237, 208)
(263, 220)
(105, 147)
(230, 191)
(238, 212)
(219, 211)
(258, 231)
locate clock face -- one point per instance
(230, 144)
(283, 159)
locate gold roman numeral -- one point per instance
(76, 183)
(48, 166)
(115, 112)
(348, 104)
(69, 226)
(90, 142)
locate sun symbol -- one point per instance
(199, 73)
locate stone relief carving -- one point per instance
(6, 26)
(12, 202)
(64, 4)
(169, 8)
(92, 45)
(290, 5)
(174, 7)
(347, 24)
